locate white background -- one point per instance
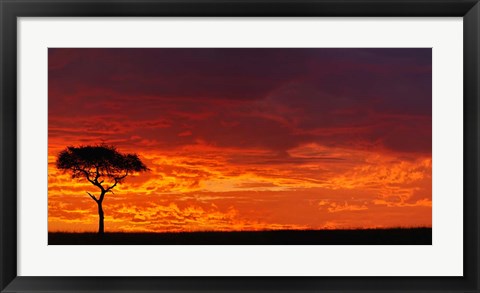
(443, 258)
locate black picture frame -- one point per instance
(10, 10)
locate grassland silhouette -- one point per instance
(391, 236)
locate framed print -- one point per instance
(239, 146)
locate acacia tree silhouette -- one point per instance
(103, 166)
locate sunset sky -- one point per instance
(246, 139)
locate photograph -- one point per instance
(239, 146)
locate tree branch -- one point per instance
(117, 180)
(111, 187)
(97, 174)
(86, 174)
(92, 196)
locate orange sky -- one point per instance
(246, 139)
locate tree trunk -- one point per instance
(100, 218)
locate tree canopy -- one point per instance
(100, 165)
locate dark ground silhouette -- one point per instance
(396, 236)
